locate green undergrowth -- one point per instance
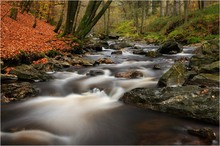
(201, 25)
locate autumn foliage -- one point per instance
(19, 35)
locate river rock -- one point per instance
(211, 68)
(95, 72)
(206, 134)
(94, 47)
(120, 45)
(28, 72)
(186, 101)
(117, 52)
(198, 61)
(211, 48)
(51, 65)
(104, 61)
(175, 76)
(153, 54)
(8, 77)
(139, 52)
(170, 47)
(205, 79)
(18, 91)
(129, 74)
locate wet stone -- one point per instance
(206, 133)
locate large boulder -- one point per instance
(205, 79)
(170, 47)
(18, 91)
(175, 76)
(206, 54)
(211, 68)
(186, 101)
(198, 61)
(29, 73)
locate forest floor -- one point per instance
(19, 36)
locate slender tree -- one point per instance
(186, 10)
(59, 23)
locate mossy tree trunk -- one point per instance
(26, 6)
(90, 18)
(70, 17)
(59, 23)
(14, 13)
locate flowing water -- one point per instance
(76, 108)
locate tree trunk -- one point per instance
(89, 19)
(186, 11)
(59, 23)
(71, 12)
(14, 13)
(162, 8)
(108, 22)
(167, 7)
(26, 6)
(201, 4)
(175, 8)
(143, 10)
(76, 18)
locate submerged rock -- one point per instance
(170, 47)
(18, 91)
(206, 134)
(186, 101)
(95, 72)
(175, 76)
(117, 52)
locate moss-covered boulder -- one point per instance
(205, 80)
(170, 47)
(200, 60)
(29, 73)
(211, 68)
(175, 76)
(187, 101)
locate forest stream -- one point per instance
(81, 105)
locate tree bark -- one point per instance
(186, 11)
(71, 12)
(143, 10)
(59, 23)
(89, 19)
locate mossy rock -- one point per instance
(19, 90)
(205, 79)
(170, 47)
(175, 76)
(200, 60)
(189, 101)
(29, 73)
(211, 68)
